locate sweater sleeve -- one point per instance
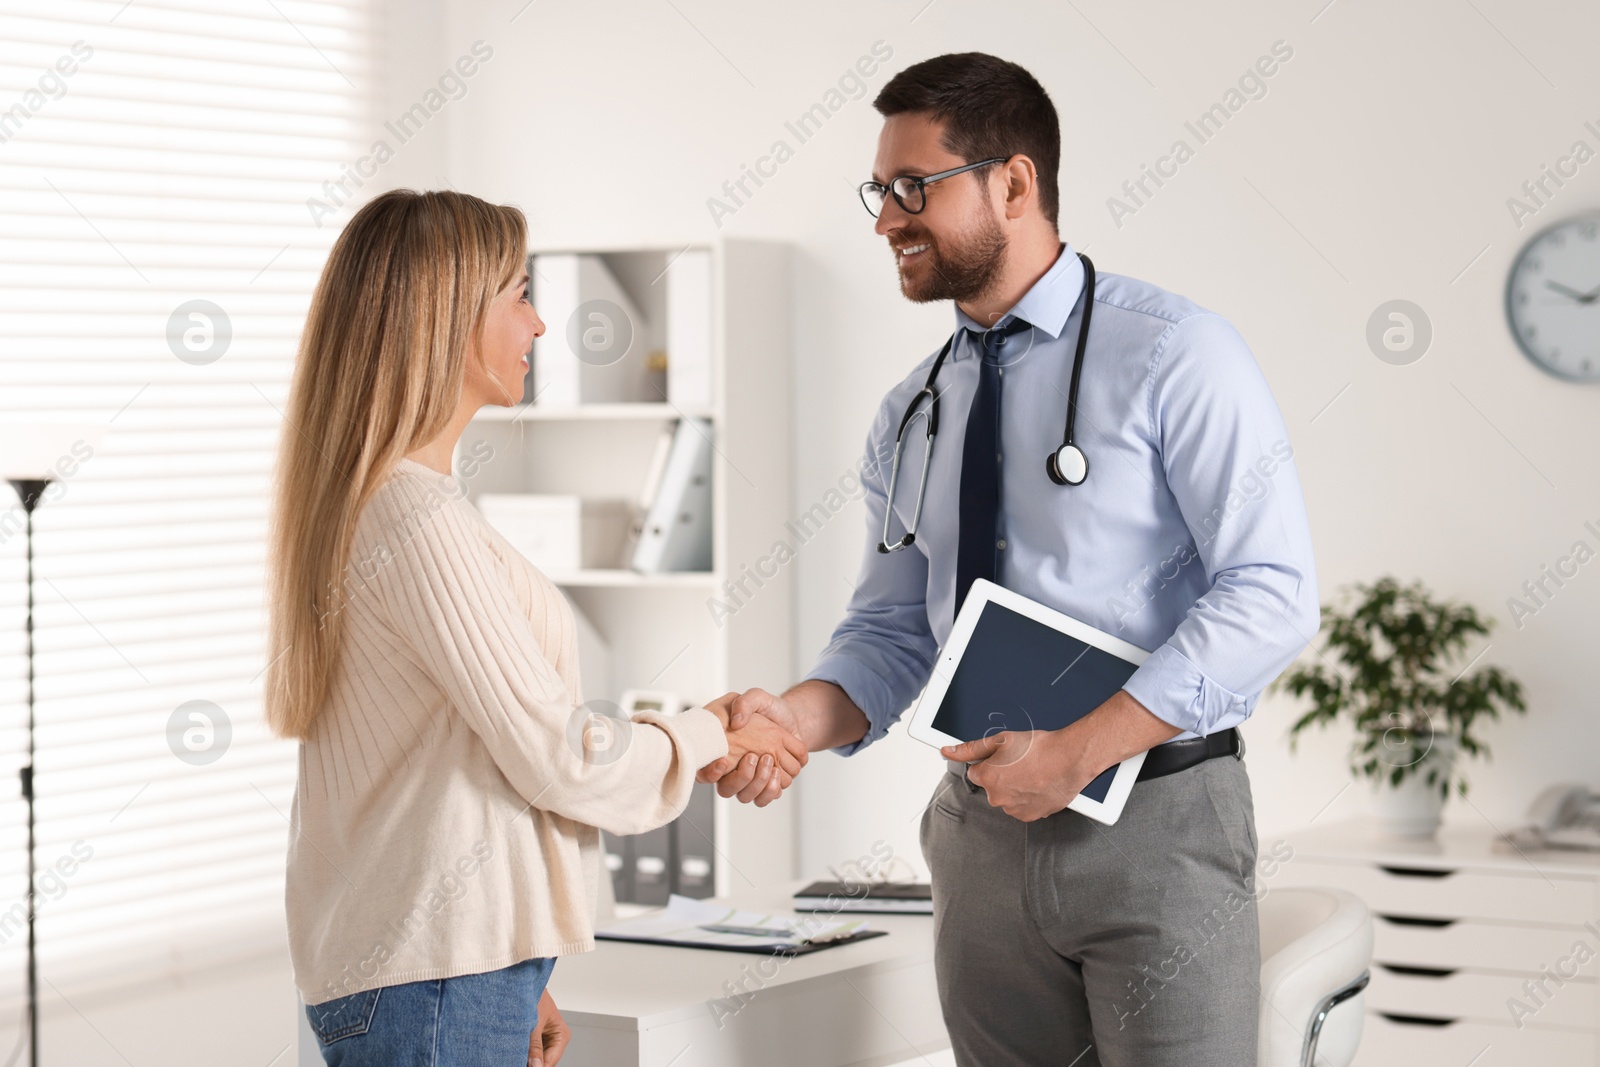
(446, 593)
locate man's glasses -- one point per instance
(910, 193)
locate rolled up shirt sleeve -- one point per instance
(1230, 469)
(882, 652)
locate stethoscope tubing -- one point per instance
(914, 409)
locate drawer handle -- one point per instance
(1417, 1020)
(1417, 920)
(1417, 872)
(1418, 972)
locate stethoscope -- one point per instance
(1067, 465)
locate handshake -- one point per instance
(765, 747)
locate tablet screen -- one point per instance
(1018, 674)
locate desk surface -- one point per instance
(630, 986)
(1455, 846)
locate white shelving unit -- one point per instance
(663, 629)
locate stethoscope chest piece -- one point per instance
(1067, 465)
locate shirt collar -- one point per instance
(1046, 306)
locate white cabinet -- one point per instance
(698, 634)
(1482, 953)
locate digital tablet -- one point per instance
(1014, 664)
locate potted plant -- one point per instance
(1388, 666)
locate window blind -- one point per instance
(154, 154)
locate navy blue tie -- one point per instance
(978, 551)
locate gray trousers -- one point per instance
(1068, 943)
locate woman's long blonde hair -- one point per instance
(399, 306)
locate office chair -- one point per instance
(1316, 954)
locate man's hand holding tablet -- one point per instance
(1037, 697)
(1033, 773)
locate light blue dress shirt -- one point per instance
(1188, 539)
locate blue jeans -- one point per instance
(475, 1020)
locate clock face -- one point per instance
(1553, 299)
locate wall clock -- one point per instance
(1553, 299)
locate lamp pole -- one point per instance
(31, 492)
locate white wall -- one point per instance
(1377, 166)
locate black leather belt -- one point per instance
(1170, 758)
(1175, 756)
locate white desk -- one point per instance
(868, 1004)
(862, 1005)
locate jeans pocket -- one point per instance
(335, 1020)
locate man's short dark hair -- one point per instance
(990, 107)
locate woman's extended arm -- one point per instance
(442, 588)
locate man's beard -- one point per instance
(961, 269)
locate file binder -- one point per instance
(689, 330)
(676, 532)
(594, 348)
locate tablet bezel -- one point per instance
(985, 592)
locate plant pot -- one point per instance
(1414, 808)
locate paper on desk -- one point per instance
(681, 919)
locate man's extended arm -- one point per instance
(880, 654)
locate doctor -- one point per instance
(1174, 520)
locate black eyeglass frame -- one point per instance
(920, 184)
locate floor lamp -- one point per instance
(32, 456)
(31, 492)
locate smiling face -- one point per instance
(497, 370)
(954, 248)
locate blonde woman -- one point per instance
(445, 832)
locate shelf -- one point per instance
(677, 631)
(587, 413)
(624, 579)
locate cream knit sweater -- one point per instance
(449, 799)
